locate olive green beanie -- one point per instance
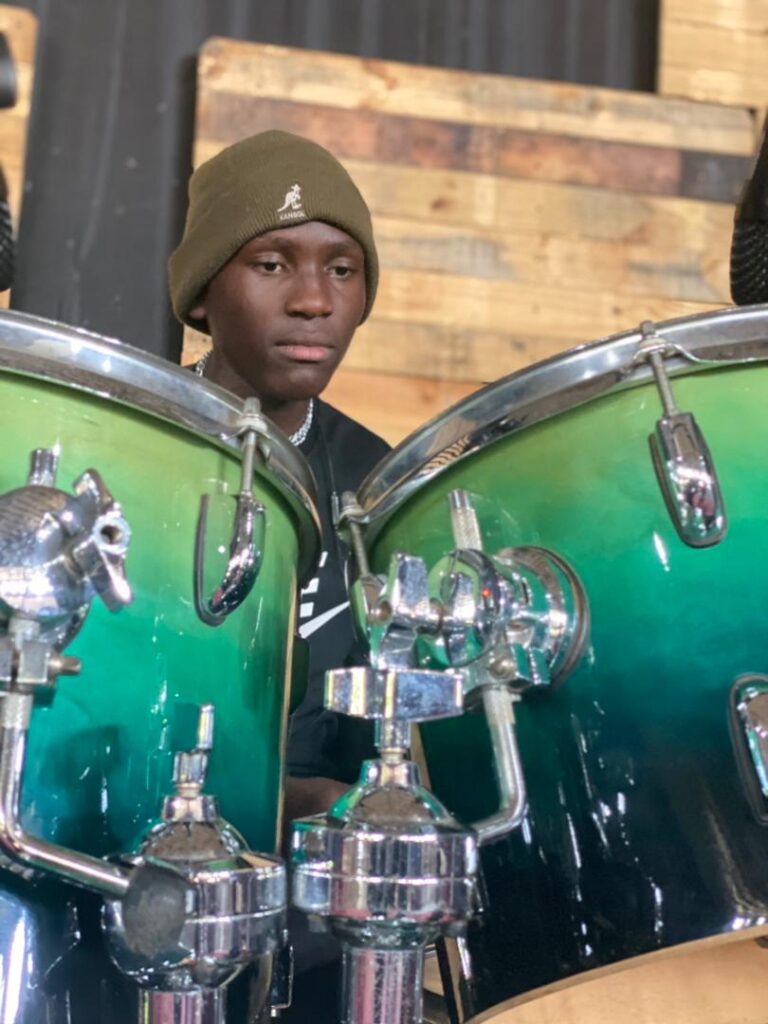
(271, 180)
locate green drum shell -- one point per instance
(638, 835)
(100, 755)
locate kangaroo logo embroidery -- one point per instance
(291, 208)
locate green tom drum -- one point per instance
(100, 756)
(647, 771)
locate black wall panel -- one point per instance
(112, 120)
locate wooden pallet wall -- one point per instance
(20, 29)
(514, 218)
(715, 50)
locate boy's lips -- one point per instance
(305, 351)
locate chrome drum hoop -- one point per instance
(108, 368)
(736, 335)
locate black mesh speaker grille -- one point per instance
(749, 263)
(7, 249)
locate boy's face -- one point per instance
(282, 312)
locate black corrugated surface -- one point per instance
(112, 120)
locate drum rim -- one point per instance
(550, 387)
(33, 346)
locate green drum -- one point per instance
(646, 769)
(103, 750)
(100, 755)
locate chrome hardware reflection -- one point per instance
(393, 699)
(58, 551)
(232, 915)
(247, 544)
(505, 623)
(751, 703)
(537, 393)
(387, 869)
(15, 842)
(519, 617)
(682, 459)
(499, 707)
(535, 618)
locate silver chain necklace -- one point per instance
(298, 436)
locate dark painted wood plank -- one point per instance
(421, 142)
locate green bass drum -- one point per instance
(646, 824)
(100, 755)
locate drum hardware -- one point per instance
(511, 623)
(281, 992)
(749, 729)
(534, 619)
(388, 869)
(635, 809)
(681, 457)
(233, 916)
(520, 617)
(246, 548)
(96, 761)
(57, 551)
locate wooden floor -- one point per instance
(719, 983)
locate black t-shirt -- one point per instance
(340, 453)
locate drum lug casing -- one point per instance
(681, 457)
(688, 480)
(749, 730)
(246, 548)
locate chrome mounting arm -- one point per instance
(508, 623)
(57, 551)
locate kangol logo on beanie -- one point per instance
(291, 208)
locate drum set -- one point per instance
(558, 581)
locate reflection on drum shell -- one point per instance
(639, 836)
(100, 756)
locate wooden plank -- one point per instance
(546, 310)
(487, 149)
(738, 15)
(446, 353)
(741, 53)
(20, 28)
(715, 50)
(532, 207)
(348, 83)
(694, 274)
(402, 405)
(733, 86)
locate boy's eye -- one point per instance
(269, 266)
